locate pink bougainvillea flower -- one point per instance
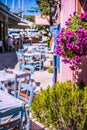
(69, 34)
(74, 13)
(83, 16)
(72, 40)
(67, 23)
(85, 33)
(69, 19)
(66, 60)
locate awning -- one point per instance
(12, 18)
(14, 21)
(4, 9)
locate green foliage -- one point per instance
(50, 69)
(30, 18)
(45, 32)
(45, 6)
(62, 106)
(76, 22)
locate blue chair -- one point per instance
(15, 118)
(22, 62)
(25, 78)
(28, 67)
(26, 45)
(20, 59)
(12, 86)
(38, 62)
(21, 50)
(25, 93)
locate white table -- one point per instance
(8, 101)
(4, 76)
(32, 54)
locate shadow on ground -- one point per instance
(35, 126)
(38, 83)
(8, 60)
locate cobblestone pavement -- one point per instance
(42, 78)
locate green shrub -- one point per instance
(50, 69)
(62, 107)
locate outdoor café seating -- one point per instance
(12, 123)
(23, 94)
(11, 112)
(9, 78)
(26, 93)
(36, 60)
(24, 62)
(13, 87)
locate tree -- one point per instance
(45, 32)
(45, 6)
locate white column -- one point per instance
(22, 7)
(12, 6)
(6, 2)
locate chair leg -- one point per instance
(3, 49)
(27, 122)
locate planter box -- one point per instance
(35, 125)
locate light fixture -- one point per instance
(54, 7)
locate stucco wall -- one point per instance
(68, 7)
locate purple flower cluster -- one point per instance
(72, 45)
(83, 16)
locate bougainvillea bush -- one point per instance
(72, 40)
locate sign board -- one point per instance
(42, 20)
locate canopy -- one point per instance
(23, 24)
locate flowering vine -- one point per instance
(72, 40)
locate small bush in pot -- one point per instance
(62, 107)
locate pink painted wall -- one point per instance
(68, 7)
(80, 74)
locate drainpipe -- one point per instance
(75, 5)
